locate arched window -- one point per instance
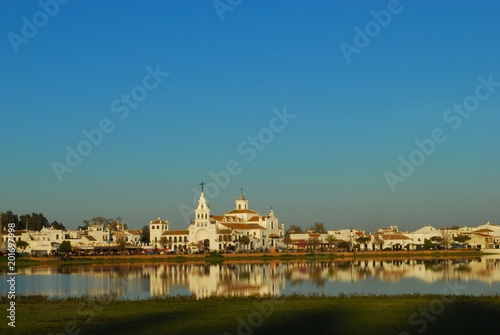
(239, 206)
(158, 227)
(206, 216)
(175, 239)
(185, 238)
(152, 227)
(57, 236)
(170, 239)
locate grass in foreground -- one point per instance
(404, 314)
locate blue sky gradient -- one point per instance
(352, 120)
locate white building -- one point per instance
(217, 232)
(99, 232)
(156, 229)
(221, 231)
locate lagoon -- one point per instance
(465, 276)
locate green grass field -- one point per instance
(405, 314)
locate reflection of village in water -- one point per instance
(235, 279)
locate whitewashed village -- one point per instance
(244, 230)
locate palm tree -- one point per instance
(363, 240)
(330, 239)
(379, 241)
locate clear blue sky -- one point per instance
(352, 120)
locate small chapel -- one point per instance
(220, 232)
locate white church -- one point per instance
(218, 232)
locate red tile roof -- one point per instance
(484, 230)
(118, 234)
(242, 211)
(159, 221)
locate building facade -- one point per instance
(220, 232)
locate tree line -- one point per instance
(34, 221)
(317, 227)
(111, 223)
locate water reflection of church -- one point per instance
(237, 279)
(204, 280)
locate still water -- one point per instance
(474, 276)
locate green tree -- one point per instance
(363, 241)
(314, 242)
(295, 230)
(93, 221)
(344, 245)
(437, 239)
(244, 240)
(379, 241)
(145, 234)
(330, 239)
(318, 227)
(163, 242)
(65, 247)
(122, 245)
(34, 221)
(462, 239)
(9, 217)
(287, 240)
(110, 224)
(428, 244)
(22, 245)
(57, 225)
(113, 224)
